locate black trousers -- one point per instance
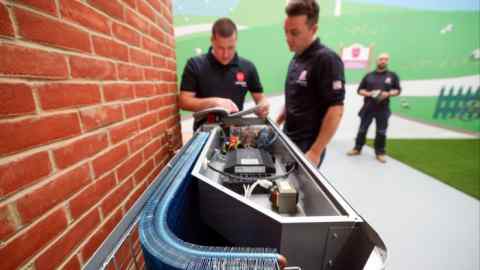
(381, 122)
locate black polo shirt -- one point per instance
(315, 81)
(382, 80)
(207, 77)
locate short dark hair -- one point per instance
(224, 27)
(310, 8)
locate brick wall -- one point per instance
(87, 104)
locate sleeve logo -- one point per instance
(337, 85)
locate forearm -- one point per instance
(364, 93)
(259, 98)
(327, 130)
(281, 117)
(394, 92)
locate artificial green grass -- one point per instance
(454, 162)
(418, 50)
(423, 109)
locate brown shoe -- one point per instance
(382, 158)
(353, 152)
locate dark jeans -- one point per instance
(381, 122)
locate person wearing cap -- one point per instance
(376, 87)
(221, 78)
(315, 83)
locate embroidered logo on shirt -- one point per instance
(337, 85)
(388, 80)
(302, 79)
(240, 76)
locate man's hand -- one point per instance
(226, 103)
(263, 110)
(313, 156)
(383, 95)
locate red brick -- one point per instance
(154, 174)
(131, 3)
(110, 159)
(146, 10)
(155, 104)
(92, 195)
(32, 27)
(158, 130)
(129, 166)
(43, 5)
(170, 100)
(123, 255)
(139, 141)
(116, 197)
(135, 108)
(111, 49)
(152, 148)
(146, 169)
(152, 45)
(140, 57)
(154, 75)
(7, 223)
(111, 7)
(172, 88)
(101, 116)
(123, 131)
(162, 157)
(163, 114)
(55, 255)
(144, 90)
(88, 68)
(55, 96)
(111, 266)
(16, 99)
(171, 65)
(23, 134)
(26, 62)
(170, 76)
(172, 122)
(148, 120)
(32, 240)
(157, 33)
(21, 173)
(159, 62)
(129, 73)
(126, 34)
(134, 20)
(79, 150)
(40, 200)
(73, 264)
(134, 197)
(97, 239)
(114, 92)
(162, 88)
(156, 5)
(6, 28)
(77, 12)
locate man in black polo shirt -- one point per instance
(314, 88)
(376, 88)
(221, 78)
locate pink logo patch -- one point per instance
(240, 76)
(355, 52)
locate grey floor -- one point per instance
(424, 223)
